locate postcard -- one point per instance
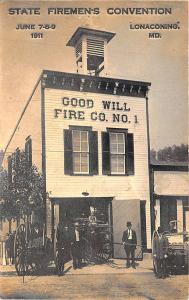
(93, 150)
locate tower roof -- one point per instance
(81, 31)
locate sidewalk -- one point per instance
(113, 266)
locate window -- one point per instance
(28, 150)
(80, 151)
(117, 153)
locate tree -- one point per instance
(8, 210)
(180, 153)
(22, 190)
(153, 154)
(172, 153)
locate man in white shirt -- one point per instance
(129, 240)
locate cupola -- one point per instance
(90, 50)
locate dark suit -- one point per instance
(160, 246)
(76, 249)
(129, 245)
(63, 247)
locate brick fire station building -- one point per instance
(88, 134)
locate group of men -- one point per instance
(69, 242)
(160, 250)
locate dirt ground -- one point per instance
(109, 281)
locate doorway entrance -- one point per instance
(76, 209)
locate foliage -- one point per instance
(153, 155)
(7, 206)
(22, 194)
(172, 153)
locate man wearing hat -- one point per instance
(160, 246)
(76, 246)
(129, 240)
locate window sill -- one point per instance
(118, 174)
(82, 174)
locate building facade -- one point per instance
(89, 136)
(170, 195)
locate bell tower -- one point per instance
(90, 50)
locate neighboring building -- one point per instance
(170, 194)
(89, 136)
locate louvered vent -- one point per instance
(78, 49)
(95, 47)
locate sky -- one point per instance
(132, 55)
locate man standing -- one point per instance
(160, 246)
(76, 246)
(129, 240)
(62, 247)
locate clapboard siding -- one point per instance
(171, 183)
(30, 124)
(120, 187)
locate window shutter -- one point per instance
(105, 153)
(68, 159)
(28, 151)
(130, 154)
(93, 152)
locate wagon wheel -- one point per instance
(154, 258)
(37, 260)
(104, 252)
(87, 251)
(20, 250)
(24, 260)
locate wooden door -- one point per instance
(123, 211)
